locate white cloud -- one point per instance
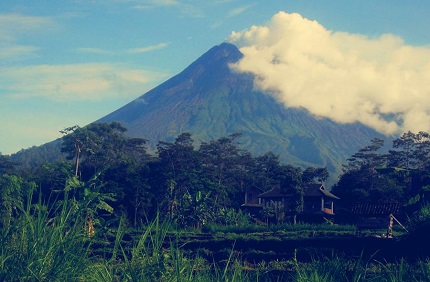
(345, 77)
(15, 25)
(76, 82)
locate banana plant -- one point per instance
(89, 200)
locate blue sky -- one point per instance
(64, 63)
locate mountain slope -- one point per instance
(208, 100)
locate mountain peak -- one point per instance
(225, 52)
(216, 59)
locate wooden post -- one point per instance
(390, 226)
(322, 204)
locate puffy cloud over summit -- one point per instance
(380, 82)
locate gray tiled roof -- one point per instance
(376, 208)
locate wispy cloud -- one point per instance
(76, 82)
(237, 11)
(15, 25)
(132, 51)
(13, 52)
(345, 77)
(193, 9)
(149, 4)
(230, 13)
(148, 48)
(94, 51)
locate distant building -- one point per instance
(376, 216)
(316, 200)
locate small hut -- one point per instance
(375, 216)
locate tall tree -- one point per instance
(404, 154)
(367, 158)
(227, 167)
(292, 183)
(179, 173)
(76, 140)
(409, 163)
(422, 152)
(100, 145)
(102, 149)
(266, 171)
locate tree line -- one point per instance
(109, 173)
(109, 176)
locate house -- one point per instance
(316, 200)
(251, 197)
(252, 203)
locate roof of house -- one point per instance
(376, 208)
(315, 190)
(254, 189)
(312, 190)
(274, 193)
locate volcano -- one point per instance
(209, 100)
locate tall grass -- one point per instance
(153, 258)
(36, 247)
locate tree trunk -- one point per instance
(78, 154)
